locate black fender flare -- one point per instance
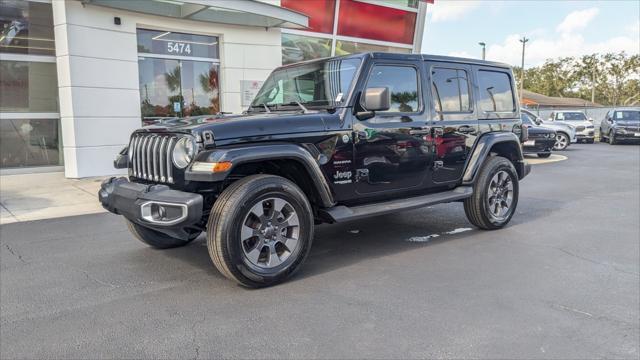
(482, 149)
(246, 154)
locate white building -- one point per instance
(78, 76)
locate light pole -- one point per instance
(483, 49)
(523, 41)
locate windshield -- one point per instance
(526, 119)
(319, 83)
(571, 116)
(627, 115)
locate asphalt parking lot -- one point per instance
(562, 281)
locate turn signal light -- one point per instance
(211, 166)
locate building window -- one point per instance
(496, 95)
(357, 19)
(400, 3)
(320, 13)
(29, 110)
(28, 86)
(29, 142)
(297, 48)
(450, 89)
(178, 73)
(27, 28)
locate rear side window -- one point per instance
(450, 89)
(496, 94)
(402, 82)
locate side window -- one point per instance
(496, 94)
(450, 89)
(402, 82)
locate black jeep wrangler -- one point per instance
(325, 141)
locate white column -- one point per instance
(98, 86)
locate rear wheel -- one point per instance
(157, 239)
(260, 230)
(562, 141)
(544, 155)
(495, 194)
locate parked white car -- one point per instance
(565, 133)
(585, 131)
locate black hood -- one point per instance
(256, 125)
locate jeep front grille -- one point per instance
(150, 157)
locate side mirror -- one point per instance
(610, 121)
(377, 99)
(590, 119)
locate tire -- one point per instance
(612, 138)
(157, 239)
(562, 141)
(544, 155)
(477, 207)
(244, 232)
(602, 137)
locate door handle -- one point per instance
(466, 129)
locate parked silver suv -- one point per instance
(565, 133)
(585, 131)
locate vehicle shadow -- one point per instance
(341, 245)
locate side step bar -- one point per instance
(341, 213)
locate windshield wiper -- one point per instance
(302, 107)
(266, 108)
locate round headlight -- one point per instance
(183, 152)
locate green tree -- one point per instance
(608, 79)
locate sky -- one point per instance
(555, 28)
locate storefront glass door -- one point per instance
(173, 82)
(29, 113)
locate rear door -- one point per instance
(454, 123)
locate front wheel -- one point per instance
(495, 194)
(544, 155)
(562, 141)
(260, 230)
(612, 138)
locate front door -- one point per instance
(453, 119)
(391, 149)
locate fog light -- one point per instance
(163, 213)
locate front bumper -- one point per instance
(156, 207)
(588, 134)
(540, 146)
(627, 135)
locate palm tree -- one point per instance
(173, 79)
(404, 98)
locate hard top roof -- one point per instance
(425, 57)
